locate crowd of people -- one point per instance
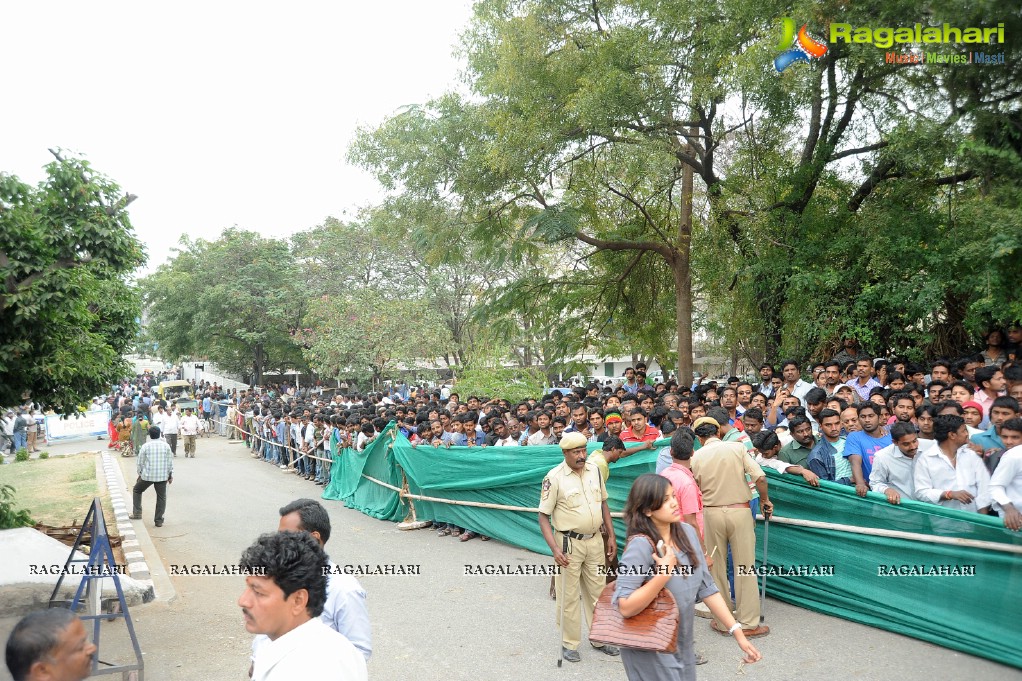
(22, 429)
(947, 433)
(940, 433)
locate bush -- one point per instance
(44, 455)
(9, 518)
(21, 455)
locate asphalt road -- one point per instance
(442, 624)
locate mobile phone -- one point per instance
(661, 550)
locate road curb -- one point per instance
(133, 536)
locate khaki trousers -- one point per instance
(580, 585)
(734, 527)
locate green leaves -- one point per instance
(67, 251)
(237, 301)
(365, 333)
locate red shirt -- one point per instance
(648, 435)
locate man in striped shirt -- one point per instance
(155, 467)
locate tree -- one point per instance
(626, 131)
(237, 301)
(378, 251)
(366, 334)
(69, 312)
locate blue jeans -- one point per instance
(20, 439)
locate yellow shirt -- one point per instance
(600, 460)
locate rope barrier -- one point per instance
(404, 493)
(897, 534)
(295, 455)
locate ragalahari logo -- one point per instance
(808, 47)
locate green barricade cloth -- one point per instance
(976, 614)
(976, 611)
(347, 483)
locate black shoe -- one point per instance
(613, 651)
(135, 516)
(571, 655)
(159, 524)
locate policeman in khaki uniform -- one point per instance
(575, 498)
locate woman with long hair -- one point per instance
(652, 512)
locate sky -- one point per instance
(219, 113)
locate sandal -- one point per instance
(484, 538)
(467, 535)
(718, 628)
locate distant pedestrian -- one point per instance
(171, 427)
(155, 468)
(189, 429)
(124, 437)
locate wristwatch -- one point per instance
(736, 625)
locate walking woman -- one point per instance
(139, 430)
(124, 436)
(652, 511)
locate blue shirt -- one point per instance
(866, 446)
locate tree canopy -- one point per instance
(237, 301)
(69, 310)
(847, 196)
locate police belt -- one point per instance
(577, 535)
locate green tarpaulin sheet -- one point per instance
(979, 614)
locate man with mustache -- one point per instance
(285, 591)
(574, 498)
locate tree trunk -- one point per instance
(681, 268)
(257, 364)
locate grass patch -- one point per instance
(55, 491)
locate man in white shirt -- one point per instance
(159, 416)
(501, 436)
(793, 382)
(951, 474)
(543, 436)
(171, 427)
(284, 597)
(189, 429)
(345, 609)
(893, 466)
(1006, 481)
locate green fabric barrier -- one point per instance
(978, 615)
(348, 485)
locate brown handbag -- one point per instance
(654, 629)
